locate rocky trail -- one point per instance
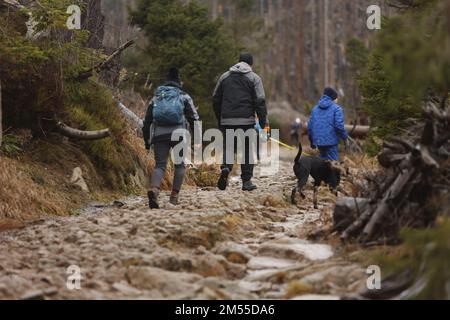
(215, 245)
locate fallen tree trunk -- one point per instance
(82, 135)
(347, 209)
(357, 131)
(132, 118)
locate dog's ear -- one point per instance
(328, 163)
(338, 167)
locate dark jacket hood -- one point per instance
(172, 84)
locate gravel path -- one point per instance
(215, 245)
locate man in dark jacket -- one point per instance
(239, 99)
(160, 136)
(327, 125)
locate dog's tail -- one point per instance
(300, 151)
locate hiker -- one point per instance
(238, 99)
(262, 136)
(170, 109)
(295, 131)
(327, 125)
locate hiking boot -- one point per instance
(174, 198)
(223, 181)
(249, 186)
(153, 199)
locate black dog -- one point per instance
(321, 170)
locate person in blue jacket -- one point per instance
(327, 125)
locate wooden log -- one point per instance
(383, 207)
(432, 111)
(394, 146)
(354, 131)
(130, 116)
(427, 158)
(82, 135)
(405, 144)
(347, 210)
(387, 159)
(357, 225)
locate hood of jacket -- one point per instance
(325, 102)
(172, 84)
(241, 67)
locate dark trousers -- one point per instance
(329, 152)
(246, 168)
(162, 153)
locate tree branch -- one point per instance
(83, 75)
(82, 135)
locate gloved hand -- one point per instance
(263, 123)
(268, 131)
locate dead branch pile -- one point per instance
(409, 192)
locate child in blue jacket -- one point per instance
(327, 125)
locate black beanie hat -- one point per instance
(247, 58)
(174, 75)
(330, 92)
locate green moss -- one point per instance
(11, 146)
(90, 107)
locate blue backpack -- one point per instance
(168, 107)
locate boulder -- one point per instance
(234, 252)
(169, 284)
(78, 180)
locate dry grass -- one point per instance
(273, 201)
(361, 162)
(233, 221)
(204, 176)
(358, 166)
(21, 198)
(36, 183)
(297, 288)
